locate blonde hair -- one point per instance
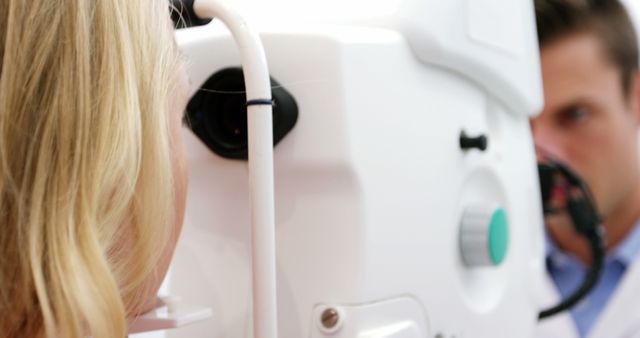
(86, 185)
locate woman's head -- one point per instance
(92, 181)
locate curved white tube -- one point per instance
(260, 132)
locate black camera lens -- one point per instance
(217, 114)
(233, 119)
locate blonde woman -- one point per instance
(91, 170)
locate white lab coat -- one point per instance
(619, 319)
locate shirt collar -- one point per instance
(628, 249)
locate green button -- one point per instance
(498, 236)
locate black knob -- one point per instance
(481, 142)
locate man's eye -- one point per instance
(573, 115)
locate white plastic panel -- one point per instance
(368, 186)
(493, 42)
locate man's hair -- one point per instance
(606, 19)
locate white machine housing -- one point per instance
(372, 184)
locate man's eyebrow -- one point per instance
(579, 101)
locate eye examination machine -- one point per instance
(405, 187)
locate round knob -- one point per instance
(484, 236)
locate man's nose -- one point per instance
(547, 145)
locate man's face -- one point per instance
(588, 122)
